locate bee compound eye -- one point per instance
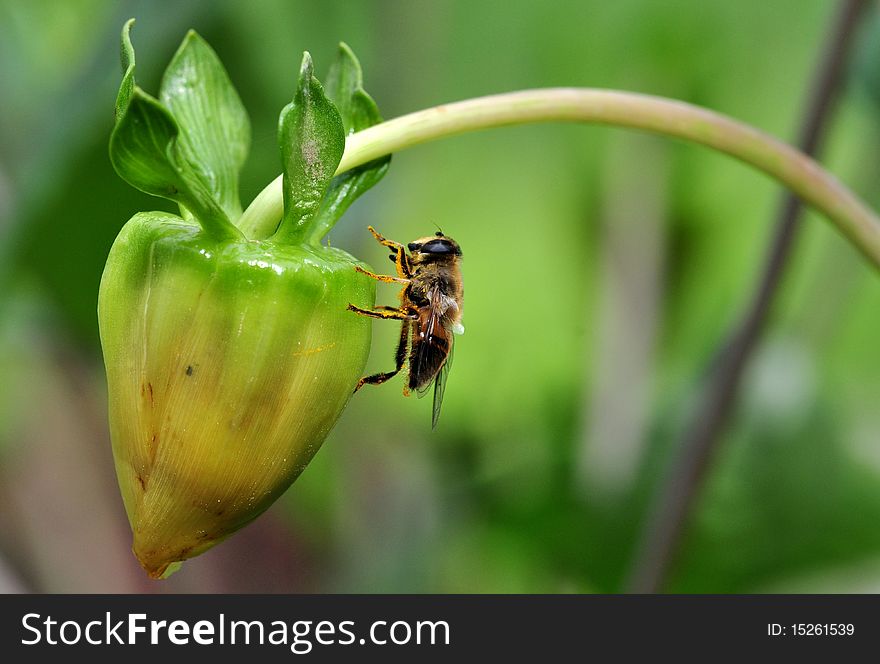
(437, 247)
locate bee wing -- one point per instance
(428, 361)
(431, 351)
(432, 355)
(440, 386)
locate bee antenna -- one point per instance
(439, 232)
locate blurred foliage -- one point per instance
(515, 491)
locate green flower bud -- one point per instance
(227, 365)
(229, 357)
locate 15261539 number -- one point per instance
(822, 629)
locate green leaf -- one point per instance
(139, 146)
(344, 86)
(343, 83)
(127, 58)
(312, 140)
(146, 151)
(214, 127)
(143, 150)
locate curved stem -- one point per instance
(802, 175)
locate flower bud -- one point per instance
(227, 365)
(229, 351)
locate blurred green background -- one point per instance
(602, 270)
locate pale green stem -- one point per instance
(802, 175)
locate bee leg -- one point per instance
(410, 313)
(401, 261)
(391, 244)
(386, 313)
(382, 277)
(399, 359)
(399, 256)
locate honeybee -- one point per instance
(430, 308)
